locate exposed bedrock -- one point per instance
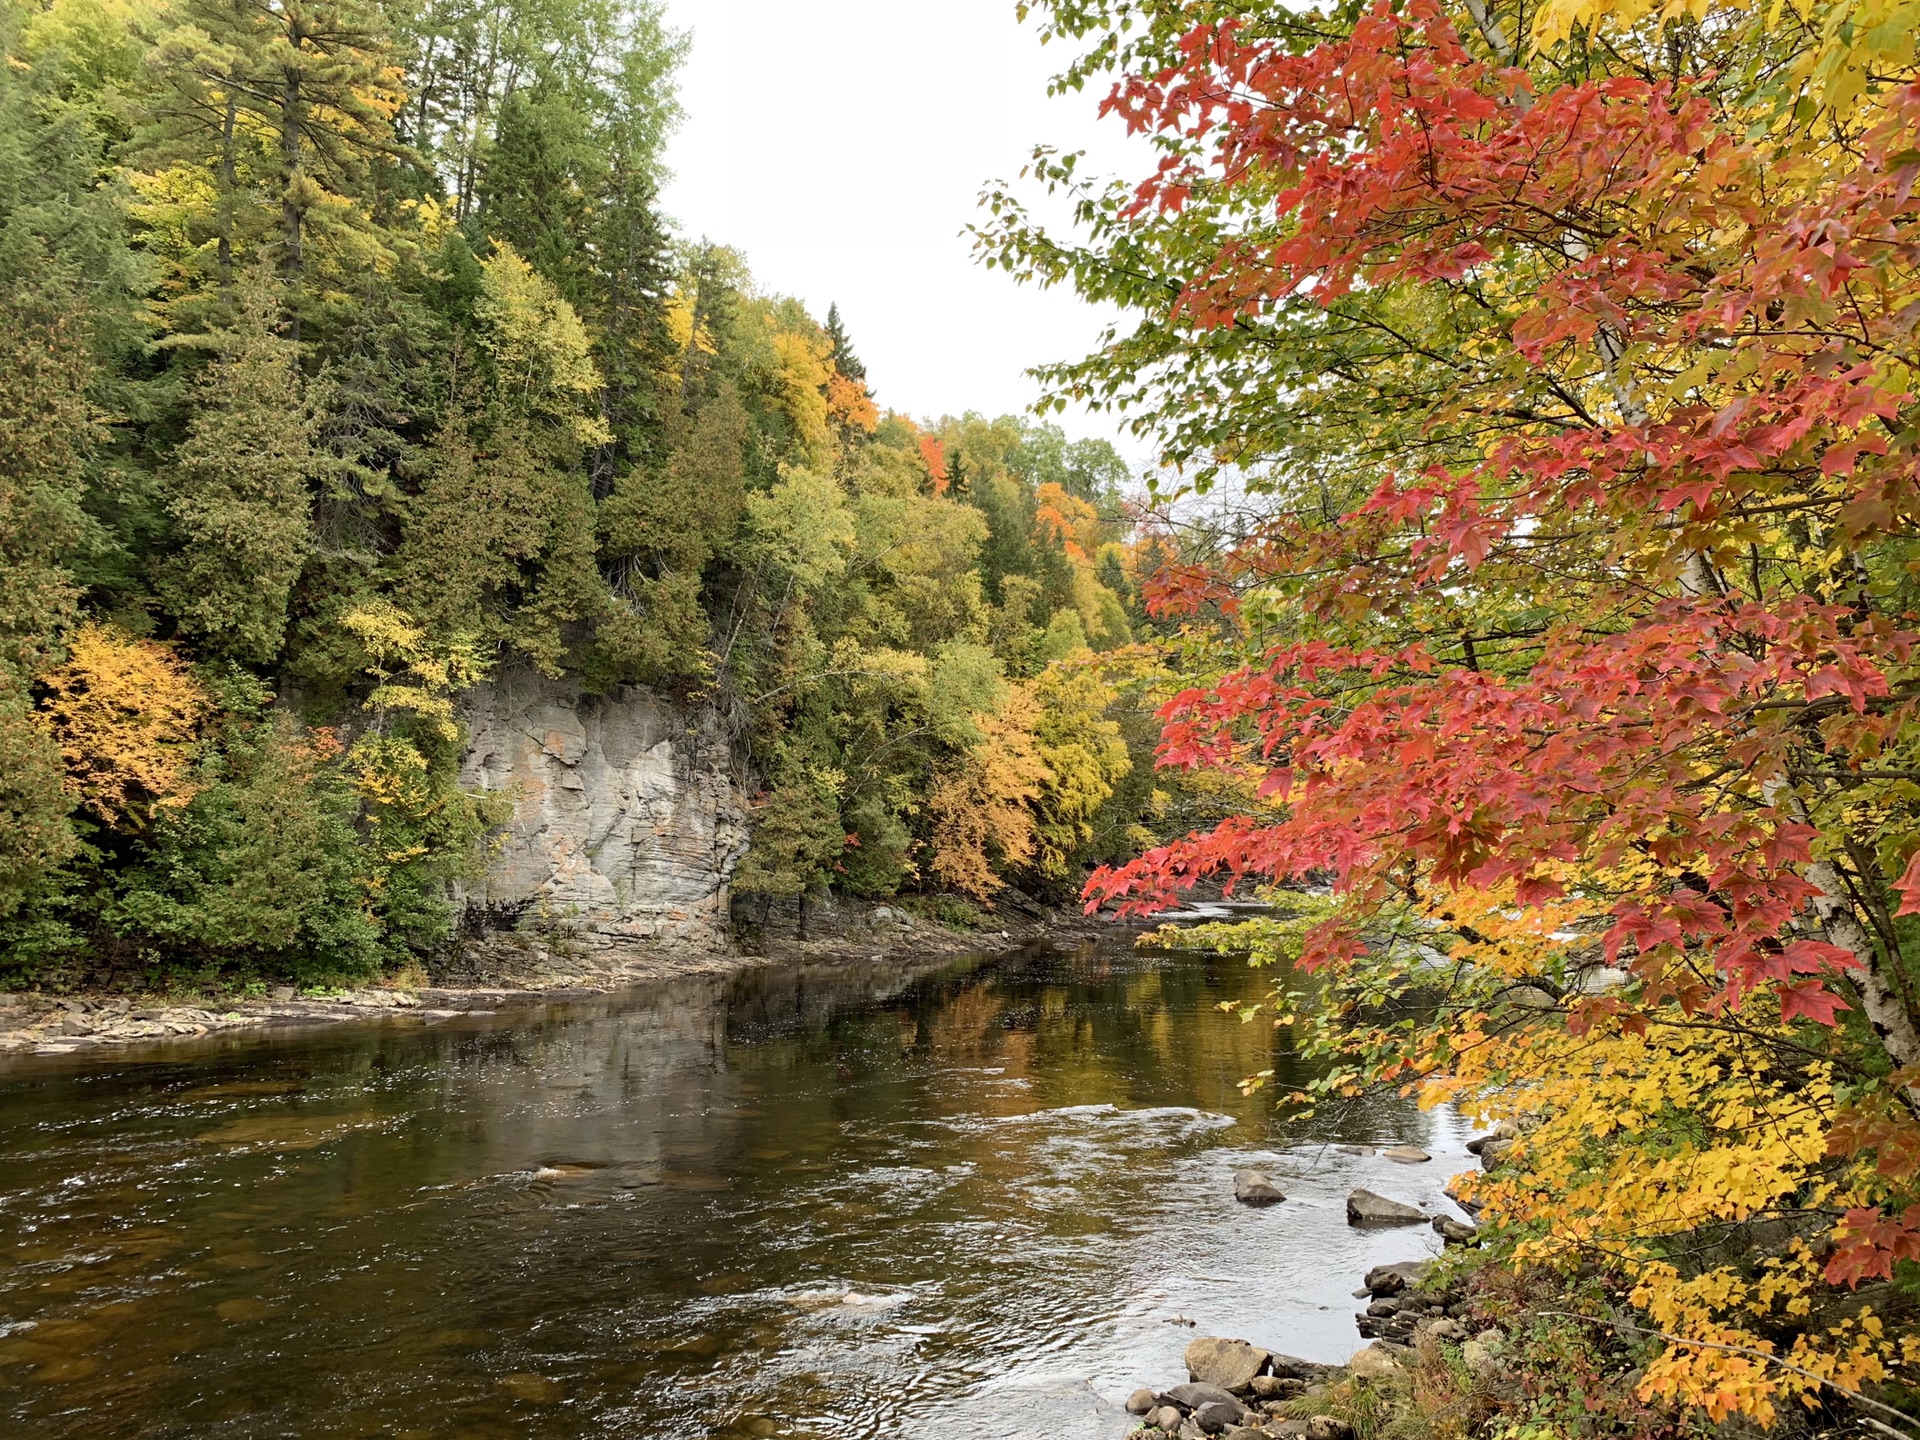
(627, 820)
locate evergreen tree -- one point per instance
(64, 276)
(844, 360)
(283, 106)
(238, 489)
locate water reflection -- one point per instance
(816, 1201)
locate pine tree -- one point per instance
(284, 105)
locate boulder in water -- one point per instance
(1366, 1208)
(1230, 1364)
(1455, 1232)
(1140, 1402)
(1407, 1154)
(1252, 1187)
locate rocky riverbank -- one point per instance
(1239, 1391)
(508, 971)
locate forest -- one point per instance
(1526, 606)
(347, 359)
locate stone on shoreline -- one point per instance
(1230, 1364)
(1194, 1394)
(1502, 1131)
(1277, 1387)
(1216, 1415)
(1252, 1187)
(1455, 1232)
(1375, 1362)
(1292, 1367)
(1141, 1401)
(1384, 1280)
(1366, 1208)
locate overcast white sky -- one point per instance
(841, 145)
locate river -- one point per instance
(978, 1202)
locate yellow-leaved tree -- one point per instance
(982, 809)
(125, 713)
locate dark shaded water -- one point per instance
(821, 1201)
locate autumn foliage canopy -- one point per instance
(1565, 622)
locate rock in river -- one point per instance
(1455, 1232)
(1407, 1154)
(1366, 1208)
(1251, 1187)
(1141, 1401)
(1230, 1364)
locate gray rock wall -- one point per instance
(627, 822)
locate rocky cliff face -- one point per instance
(627, 822)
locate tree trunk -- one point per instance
(291, 201)
(226, 196)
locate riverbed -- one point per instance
(977, 1199)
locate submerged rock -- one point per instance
(1252, 1187)
(1366, 1208)
(1230, 1364)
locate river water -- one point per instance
(815, 1201)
